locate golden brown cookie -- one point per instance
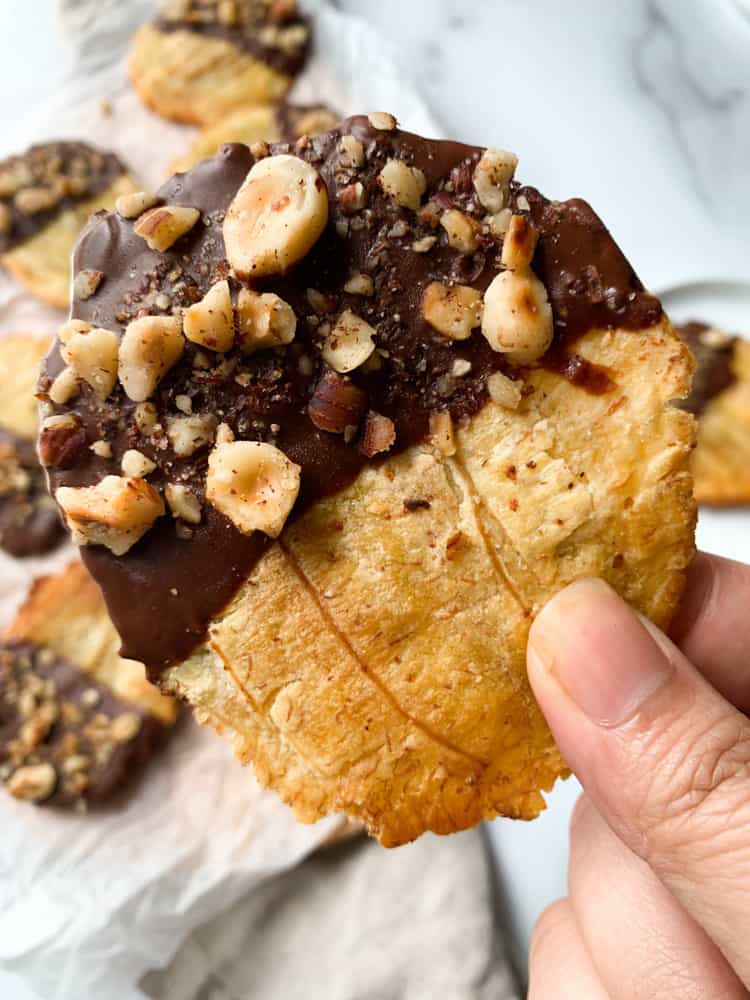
(29, 520)
(267, 123)
(77, 722)
(201, 59)
(721, 401)
(391, 403)
(46, 196)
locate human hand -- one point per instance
(659, 877)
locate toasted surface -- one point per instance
(42, 264)
(66, 614)
(374, 661)
(721, 464)
(20, 356)
(196, 79)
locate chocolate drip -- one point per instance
(714, 373)
(163, 593)
(71, 171)
(30, 524)
(90, 764)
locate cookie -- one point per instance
(30, 524)
(77, 722)
(390, 403)
(201, 59)
(46, 196)
(720, 398)
(267, 123)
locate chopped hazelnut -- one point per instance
(336, 403)
(102, 449)
(65, 387)
(150, 346)
(360, 284)
(114, 513)
(71, 328)
(349, 344)
(183, 503)
(254, 484)
(61, 439)
(403, 183)
(276, 217)
(188, 434)
(145, 418)
(492, 178)
(453, 310)
(135, 203)
(264, 321)
(352, 152)
(463, 232)
(93, 357)
(34, 783)
(86, 283)
(424, 245)
(352, 198)
(125, 727)
(519, 243)
(441, 433)
(210, 322)
(135, 463)
(162, 226)
(504, 390)
(382, 121)
(379, 435)
(33, 200)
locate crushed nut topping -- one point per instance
(162, 226)
(148, 349)
(115, 513)
(210, 322)
(453, 310)
(349, 344)
(254, 484)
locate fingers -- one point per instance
(713, 625)
(642, 942)
(664, 758)
(559, 965)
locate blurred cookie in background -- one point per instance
(29, 521)
(268, 123)
(46, 197)
(720, 399)
(77, 722)
(200, 59)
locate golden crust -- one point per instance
(42, 263)
(246, 125)
(721, 464)
(66, 613)
(374, 661)
(196, 79)
(20, 357)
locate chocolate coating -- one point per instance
(164, 591)
(71, 171)
(33, 677)
(714, 373)
(30, 523)
(255, 28)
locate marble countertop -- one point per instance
(643, 108)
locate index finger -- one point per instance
(712, 627)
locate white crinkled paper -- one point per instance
(90, 903)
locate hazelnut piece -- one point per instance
(135, 203)
(161, 227)
(254, 484)
(453, 310)
(382, 121)
(349, 344)
(403, 183)
(183, 503)
(379, 435)
(188, 434)
(463, 232)
(504, 390)
(276, 217)
(135, 463)
(492, 178)
(61, 438)
(114, 513)
(150, 346)
(92, 355)
(264, 321)
(33, 783)
(441, 433)
(336, 404)
(210, 322)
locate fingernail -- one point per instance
(599, 651)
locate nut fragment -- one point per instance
(131, 205)
(276, 217)
(504, 390)
(349, 344)
(145, 418)
(254, 484)
(336, 404)
(188, 434)
(32, 200)
(403, 183)
(161, 227)
(382, 121)
(183, 503)
(360, 284)
(125, 727)
(379, 435)
(86, 283)
(92, 356)
(519, 243)
(424, 244)
(210, 322)
(264, 321)
(352, 198)
(463, 232)
(135, 463)
(148, 349)
(352, 152)
(60, 440)
(33, 783)
(441, 433)
(492, 178)
(71, 328)
(453, 310)
(65, 387)
(114, 513)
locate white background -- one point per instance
(643, 108)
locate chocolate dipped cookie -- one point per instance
(201, 59)
(720, 399)
(30, 524)
(46, 196)
(268, 123)
(343, 417)
(77, 722)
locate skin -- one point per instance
(658, 733)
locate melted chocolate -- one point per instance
(257, 28)
(74, 171)
(714, 372)
(162, 594)
(33, 678)
(30, 524)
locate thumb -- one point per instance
(665, 759)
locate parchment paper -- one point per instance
(90, 903)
